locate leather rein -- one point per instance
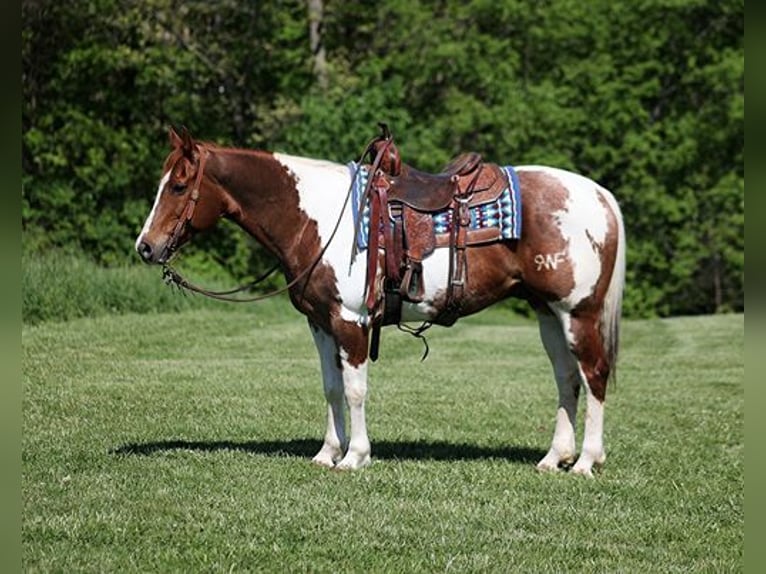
(172, 277)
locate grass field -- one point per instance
(181, 443)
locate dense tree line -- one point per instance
(646, 97)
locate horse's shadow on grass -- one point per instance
(306, 448)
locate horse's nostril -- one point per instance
(145, 251)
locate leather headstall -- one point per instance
(188, 212)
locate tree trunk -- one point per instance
(717, 288)
(316, 16)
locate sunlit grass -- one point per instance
(182, 442)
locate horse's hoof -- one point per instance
(353, 462)
(323, 460)
(587, 472)
(327, 457)
(544, 466)
(587, 462)
(585, 468)
(554, 462)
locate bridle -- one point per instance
(184, 220)
(173, 277)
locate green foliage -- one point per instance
(645, 97)
(182, 443)
(61, 285)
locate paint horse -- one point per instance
(568, 264)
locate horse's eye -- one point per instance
(178, 187)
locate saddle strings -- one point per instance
(417, 332)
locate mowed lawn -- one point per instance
(182, 443)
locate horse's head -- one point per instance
(186, 201)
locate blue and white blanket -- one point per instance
(503, 213)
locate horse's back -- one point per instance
(556, 183)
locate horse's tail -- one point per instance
(612, 312)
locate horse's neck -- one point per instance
(280, 199)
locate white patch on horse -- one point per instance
(335, 436)
(568, 379)
(353, 316)
(584, 225)
(150, 219)
(322, 189)
(592, 452)
(435, 283)
(355, 391)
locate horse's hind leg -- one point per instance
(335, 435)
(587, 343)
(568, 380)
(576, 349)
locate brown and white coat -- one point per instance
(569, 264)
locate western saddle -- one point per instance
(403, 202)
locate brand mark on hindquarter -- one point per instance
(549, 260)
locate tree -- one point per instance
(645, 97)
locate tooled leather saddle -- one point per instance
(402, 204)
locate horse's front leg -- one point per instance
(344, 371)
(355, 389)
(352, 353)
(335, 436)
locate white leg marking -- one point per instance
(568, 379)
(150, 219)
(593, 441)
(592, 444)
(355, 388)
(335, 435)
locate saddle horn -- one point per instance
(385, 132)
(391, 161)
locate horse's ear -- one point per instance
(175, 139)
(188, 142)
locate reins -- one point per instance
(173, 277)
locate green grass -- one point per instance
(60, 286)
(181, 443)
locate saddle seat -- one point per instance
(432, 192)
(465, 175)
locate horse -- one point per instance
(568, 264)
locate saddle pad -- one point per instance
(503, 213)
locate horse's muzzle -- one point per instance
(146, 251)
